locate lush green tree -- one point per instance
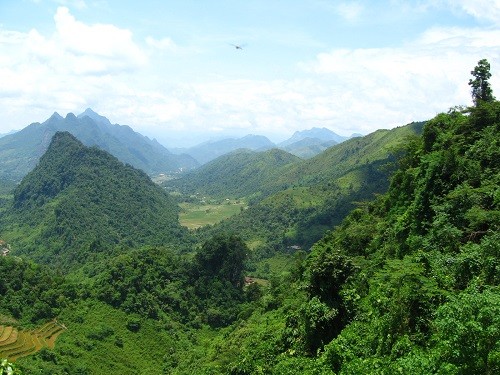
(7, 368)
(467, 335)
(222, 257)
(481, 88)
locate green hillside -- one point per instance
(147, 311)
(336, 161)
(408, 284)
(304, 199)
(79, 202)
(235, 175)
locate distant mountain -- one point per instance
(20, 152)
(96, 117)
(211, 150)
(80, 202)
(321, 134)
(237, 174)
(308, 147)
(9, 133)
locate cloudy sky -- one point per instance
(171, 71)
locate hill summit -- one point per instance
(80, 200)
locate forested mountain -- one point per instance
(211, 150)
(19, 152)
(300, 201)
(235, 175)
(81, 201)
(408, 282)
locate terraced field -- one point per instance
(15, 343)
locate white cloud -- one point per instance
(414, 81)
(103, 47)
(481, 9)
(64, 70)
(347, 90)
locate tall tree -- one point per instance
(481, 89)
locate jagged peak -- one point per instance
(89, 112)
(55, 115)
(70, 116)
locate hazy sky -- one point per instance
(169, 69)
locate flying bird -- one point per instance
(238, 46)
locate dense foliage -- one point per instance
(79, 202)
(409, 283)
(406, 284)
(159, 284)
(32, 293)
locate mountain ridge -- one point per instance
(19, 152)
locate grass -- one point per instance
(196, 215)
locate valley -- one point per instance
(378, 255)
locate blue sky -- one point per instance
(169, 70)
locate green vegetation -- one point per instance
(304, 199)
(197, 215)
(79, 203)
(481, 88)
(235, 175)
(7, 368)
(407, 283)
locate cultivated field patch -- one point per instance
(195, 216)
(16, 343)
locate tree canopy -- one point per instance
(481, 88)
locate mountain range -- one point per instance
(304, 144)
(210, 150)
(293, 201)
(20, 151)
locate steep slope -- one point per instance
(407, 284)
(20, 152)
(80, 201)
(211, 150)
(237, 174)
